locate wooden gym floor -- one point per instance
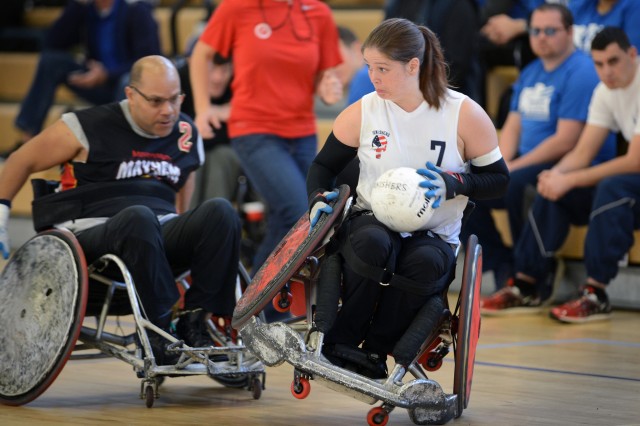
(529, 370)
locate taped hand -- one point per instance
(4, 236)
(440, 184)
(321, 206)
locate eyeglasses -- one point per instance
(548, 31)
(157, 102)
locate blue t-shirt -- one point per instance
(588, 22)
(544, 97)
(360, 85)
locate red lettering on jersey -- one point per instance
(184, 142)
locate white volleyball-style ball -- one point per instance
(398, 201)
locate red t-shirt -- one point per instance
(274, 76)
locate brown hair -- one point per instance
(565, 13)
(402, 40)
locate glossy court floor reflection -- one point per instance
(529, 370)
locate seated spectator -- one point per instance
(504, 42)
(456, 24)
(590, 16)
(504, 32)
(606, 196)
(15, 35)
(548, 111)
(112, 35)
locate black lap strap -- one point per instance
(100, 200)
(385, 276)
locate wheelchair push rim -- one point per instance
(43, 296)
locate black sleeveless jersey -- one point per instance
(117, 152)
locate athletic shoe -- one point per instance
(192, 328)
(159, 347)
(585, 309)
(509, 300)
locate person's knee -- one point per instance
(372, 244)
(426, 263)
(219, 212)
(610, 189)
(138, 220)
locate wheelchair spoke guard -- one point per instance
(468, 323)
(43, 294)
(285, 260)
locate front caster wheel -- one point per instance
(282, 302)
(377, 417)
(301, 389)
(149, 396)
(256, 388)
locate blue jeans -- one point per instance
(277, 168)
(53, 69)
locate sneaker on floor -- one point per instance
(585, 309)
(509, 300)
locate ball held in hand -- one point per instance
(399, 202)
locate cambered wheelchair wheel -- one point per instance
(43, 296)
(467, 331)
(285, 260)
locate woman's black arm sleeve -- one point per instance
(330, 161)
(489, 181)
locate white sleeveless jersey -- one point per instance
(390, 137)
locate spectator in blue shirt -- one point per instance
(591, 16)
(549, 108)
(113, 34)
(353, 72)
(604, 196)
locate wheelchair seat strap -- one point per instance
(385, 276)
(102, 199)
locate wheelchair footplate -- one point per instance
(230, 364)
(276, 343)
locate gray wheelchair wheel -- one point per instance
(43, 296)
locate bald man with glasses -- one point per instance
(127, 171)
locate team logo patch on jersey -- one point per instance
(379, 142)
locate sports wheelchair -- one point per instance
(292, 278)
(47, 291)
